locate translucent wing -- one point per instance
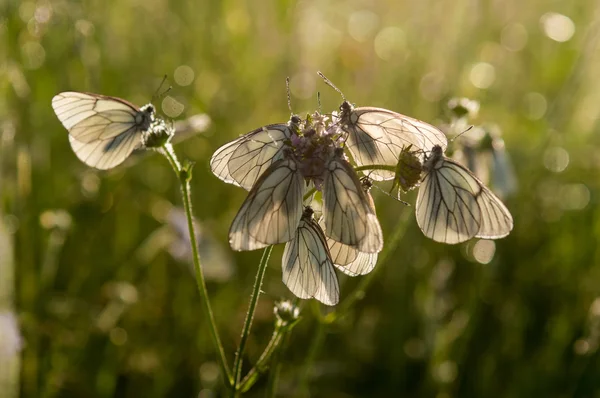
(496, 220)
(243, 160)
(103, 130)
(272, 210)
(376, 136)
(453, 205)
(349, 260)
(347, 214)
(105, 154)
(307, 267)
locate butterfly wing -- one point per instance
(272, 210)
(349, 260)
(453, 205)
(103, 131)
(347, 214)
(496, 220)
(307, 266)
(376, 136)
(242, 161)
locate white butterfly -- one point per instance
(271, 212)
(347, 214)
(307, 266)
(376, 136)
(242, 161)
(454, 206)
(103, 130)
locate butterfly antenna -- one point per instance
(289, 94)
(461, 133)
(330, 84)
(319, 101)
(157, 93)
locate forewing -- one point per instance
(347, 214)
(91, 117)
(376, 137)
(307, 267)
(447, 207)
(271, 212)
(242, 161)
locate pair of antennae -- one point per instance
(325, 79)
(157, 93)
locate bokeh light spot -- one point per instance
(514, 37)
(34, 55)
(184, 75)
(556, 159)
(362, 24)
(558, 27)
(26, 10)
(484, 250)
(535, 106)
(574, 196)
(171, 107)
(446, 372)
(482, 75)
(389, 43)
(118, 336)
(86, 28)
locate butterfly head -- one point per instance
(345, 110)
(308, 213)
(432, 160)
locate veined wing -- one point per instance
(349, 260)
(103, 131)
(271, 212)
(347, 214)
(307, 266)
(243, 160)
(106, 154)
(91, 117)
(453, 205)
(376, 136)
(496, 220)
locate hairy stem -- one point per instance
(237, 366)
(184, 181)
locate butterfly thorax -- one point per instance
(145, 117)
(435, 160)
(347, 116)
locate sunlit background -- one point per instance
(97, 296)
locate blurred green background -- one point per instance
(94, 269)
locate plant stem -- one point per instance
(375, 167)
(184, 177)
(237, 366)
(313, 350)
(263, 362)
(276, 364)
